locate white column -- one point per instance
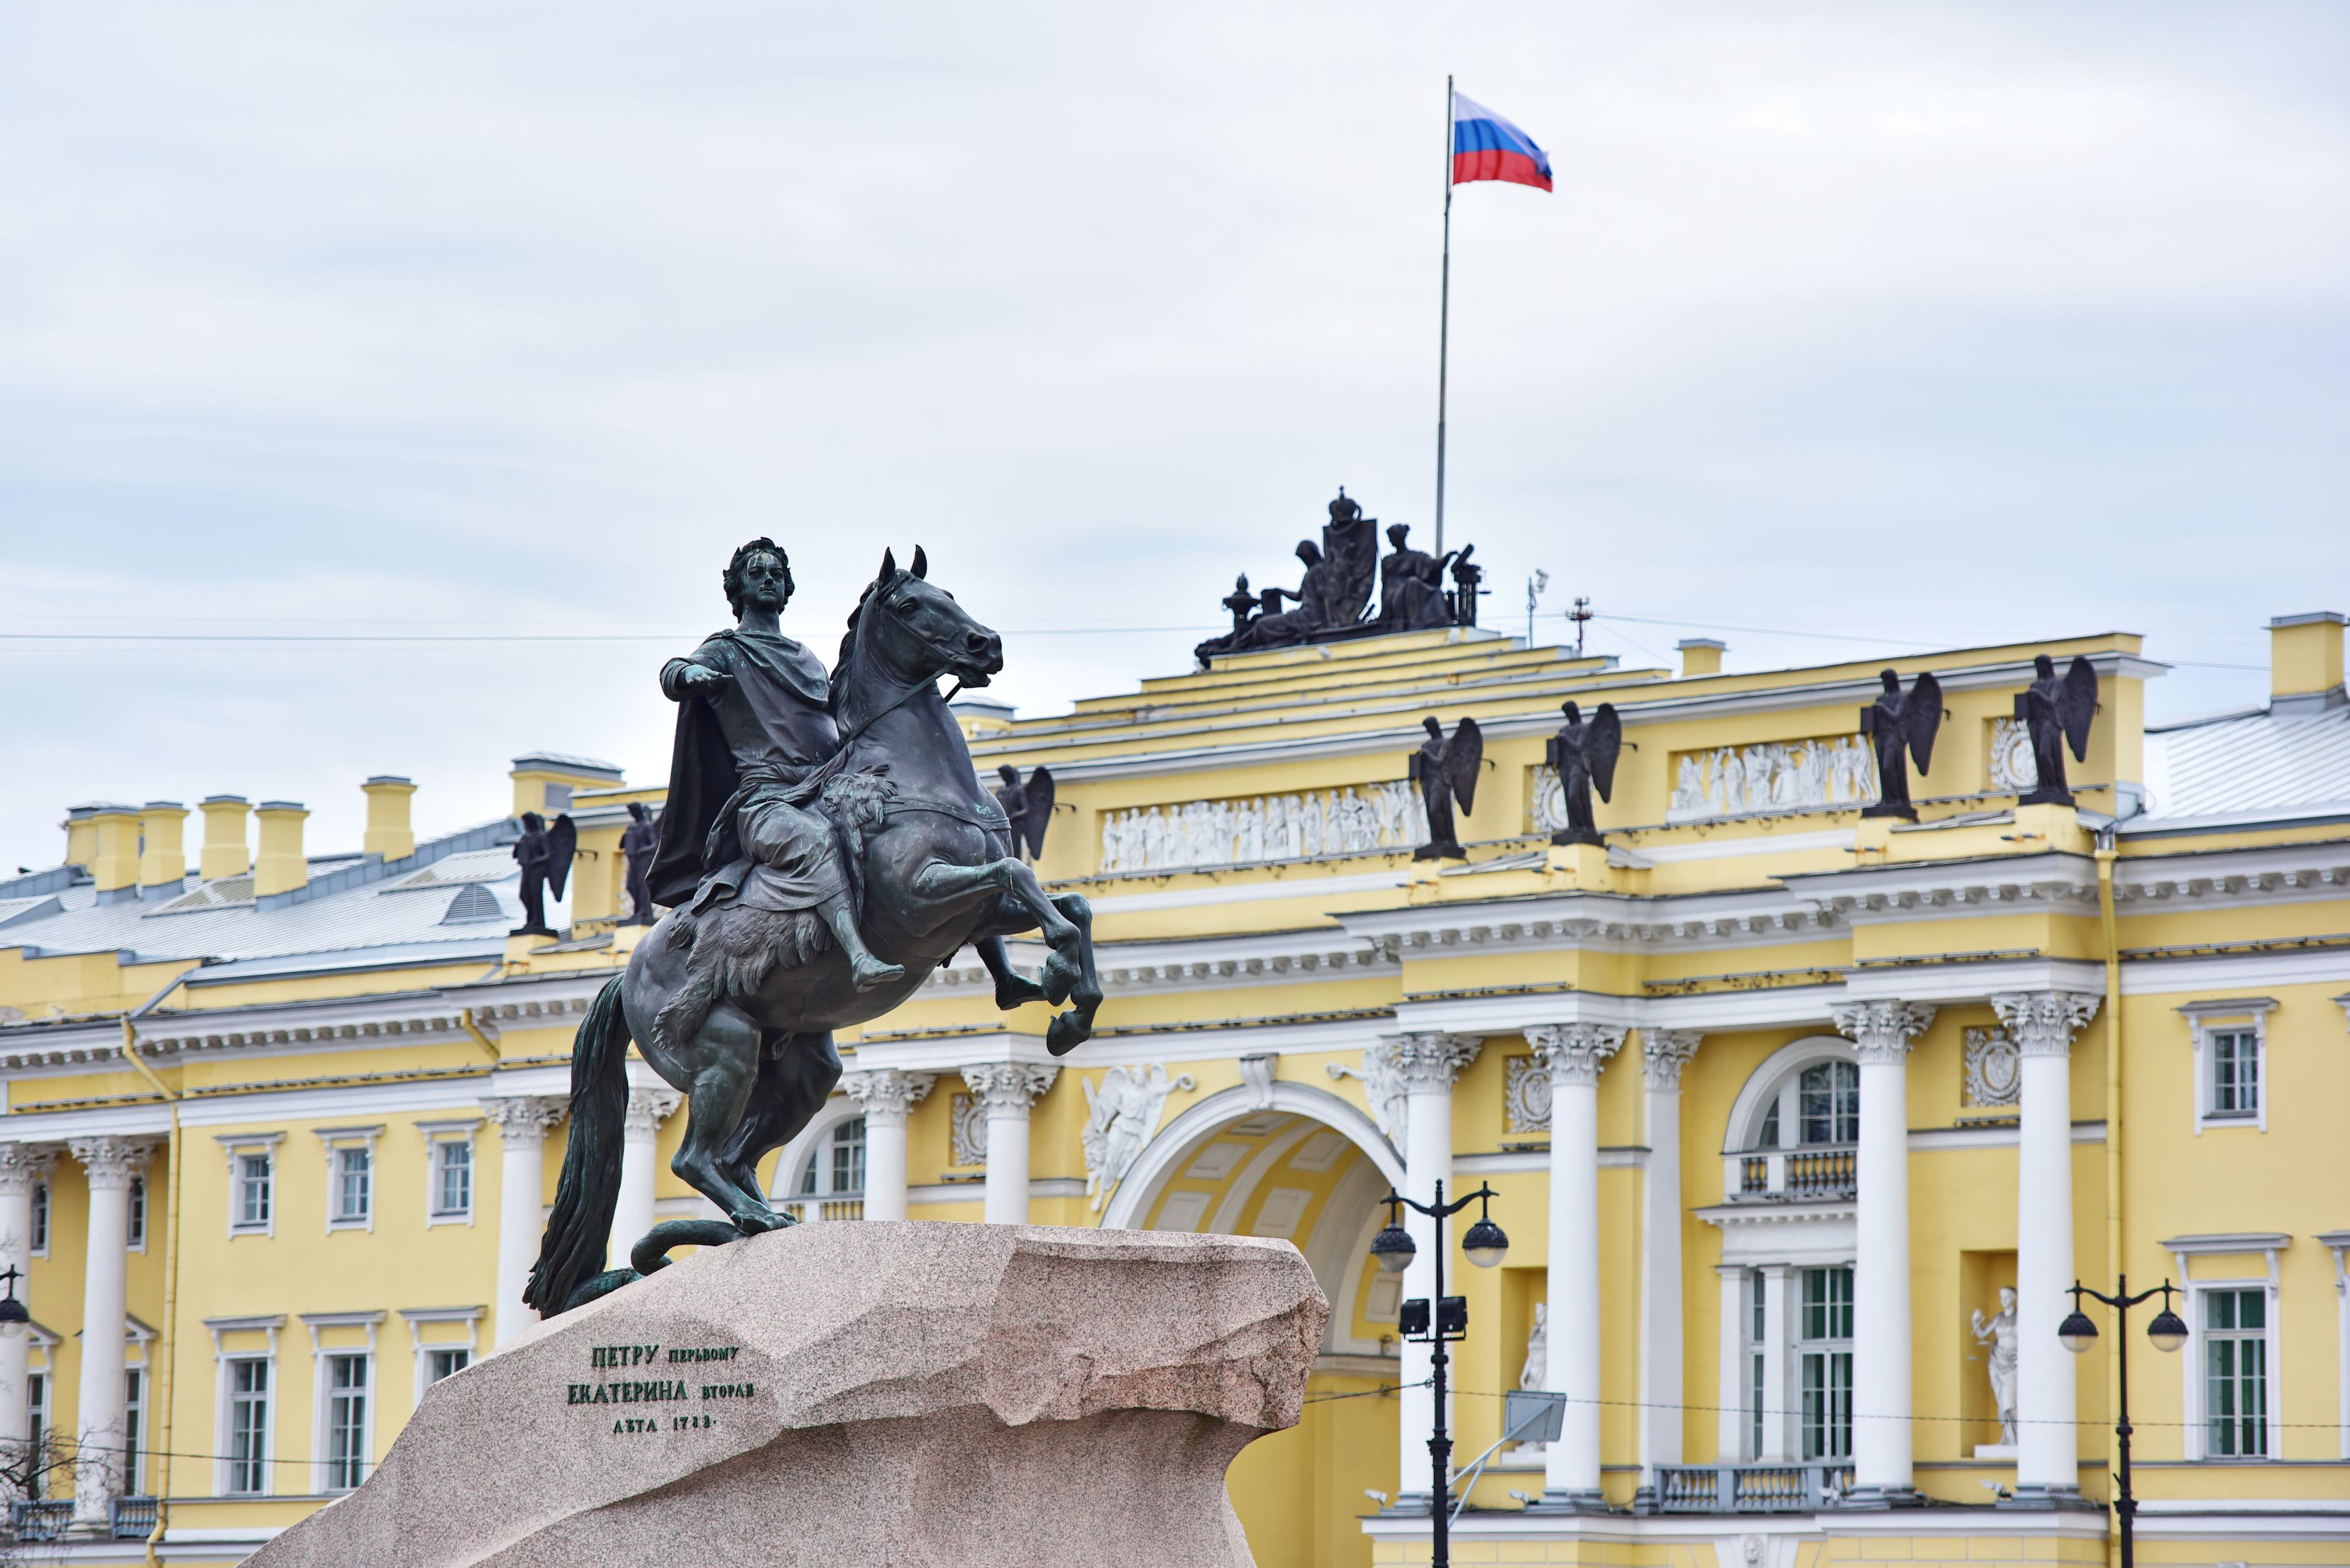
(1778, 1402)
(1419, 1069)
(889, 1097)
(108, 1164)
(1882, 1449)
(522, 1121)
(1575, 1052)
(23, 1165)
(1729, 1405)
(1663, 1053)
(2047, 1459)
(1006, 1091)
(632, 1216)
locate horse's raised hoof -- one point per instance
(1067, 1032)
(1060, 975)
(870, 973)
(751, 1222)
(1016, 990)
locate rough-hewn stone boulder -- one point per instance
(915, 1395)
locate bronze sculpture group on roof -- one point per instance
(1333, 598)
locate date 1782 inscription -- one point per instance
(656, 1388)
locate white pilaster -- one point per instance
(1006, 1091)
(1574, 1054)
(107, 1163)
(887, 1098)
(1664, 1053)
(2042, 1024)
(1730, 1402)
(1883, 1452)
(1778, 1398)
(1422, 1066)
(23, 1165)
(632, 1215)
(522, 1121)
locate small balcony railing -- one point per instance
(133, 1518)
(42, 1518)
(1794, 1175)
(1751, 1488)
(839, 1206)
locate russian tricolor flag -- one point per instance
(1487, 147)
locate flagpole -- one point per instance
(1444, 319)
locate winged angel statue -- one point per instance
(1584, 755)
(1895, 721)
(1028, 808)
(2057, 713)
(1446, 771)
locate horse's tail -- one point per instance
(589, 1190)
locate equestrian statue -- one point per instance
(827, 845)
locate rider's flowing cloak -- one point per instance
(785, 686)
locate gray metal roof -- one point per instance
(2247, 767)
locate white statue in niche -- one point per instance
(1999, 1334)
(1535, 1373)
(1121, 1114)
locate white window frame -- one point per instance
(236, 1146)
(420, 1349)
(2230, 1014)
(138, 1227)
(224, 1360)
(2192, 1372)
(338, 1141)
(322, 1396)
(2338, 1242)
(439, 1135)
(136, 1435)
(44, 1215)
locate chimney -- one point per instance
(388, 830)
(162, 849)
(1700, 656)
(2305, 663)
(543, 781)
(114, 864)
(280, 868)
(81, 833)
(224, 851)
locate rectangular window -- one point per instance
(2235, 1073)
(2236, 1373)
(848, 1157)
(1828, 1098)
(440, 1363)
(346, 1398)
(253, 1191)
(1824, 1349)
(40, 1244)
(452, 1179)
(354, 1174)
(36, 1408)
(1756, 1320)
(134, 1406)
(248, 1425)
(138, 1237)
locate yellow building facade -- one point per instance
(1801, 1121)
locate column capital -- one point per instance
(525, 1119)
(1575, 1051)
(24, 1165)
(886, 1095)
(1885, 1031)
(1424, 1062)
(1008, 1088)
(111, 1162)
(1664, 1053)
(648, 1109)
(2043, 1022)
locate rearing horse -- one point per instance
(735, 1007)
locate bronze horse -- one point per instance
(722, 1012)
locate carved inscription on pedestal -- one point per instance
(659, 1385)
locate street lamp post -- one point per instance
(1485, 1246)
(2078, 1333)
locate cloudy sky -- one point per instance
(382, 387)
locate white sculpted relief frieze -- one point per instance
(1775, 775)
(1358, 820)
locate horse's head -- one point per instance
(915, 631)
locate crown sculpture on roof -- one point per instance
(825, 846)
(1334, 598)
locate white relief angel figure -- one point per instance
(1121, 1114)
(1688, 787)
(1730, 788)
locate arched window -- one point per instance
(1794, 1130)
(831, 1180)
